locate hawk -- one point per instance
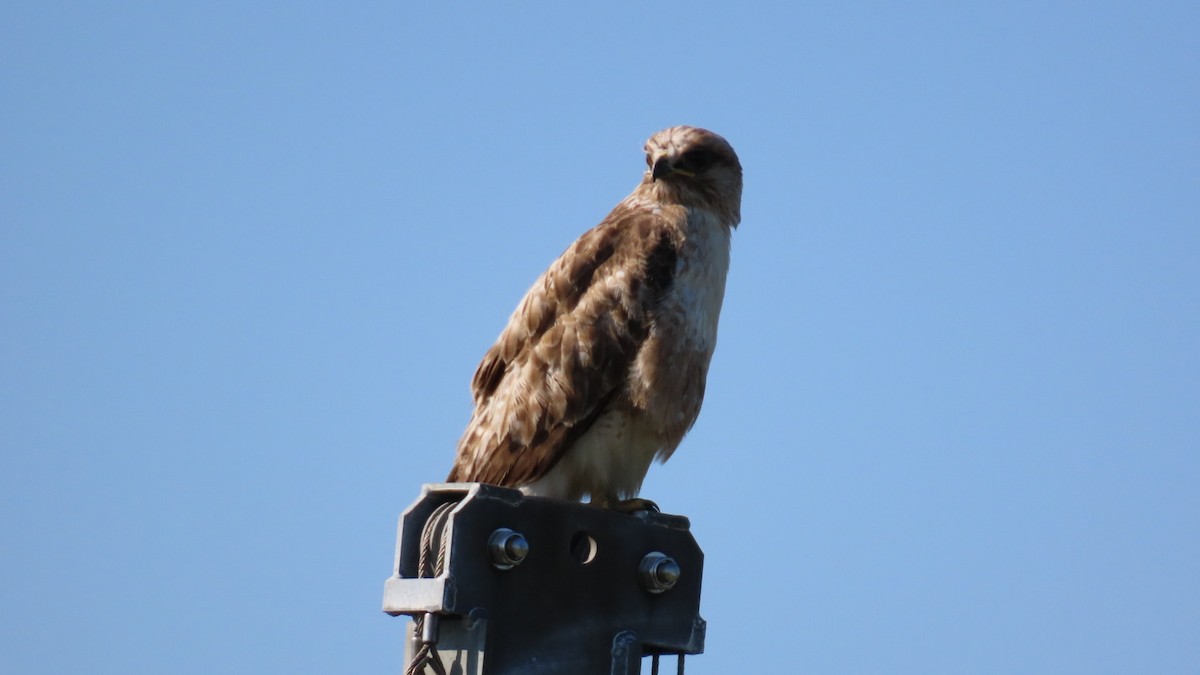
(601, 368)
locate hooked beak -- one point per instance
(662, 167)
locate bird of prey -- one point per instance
(601, 368)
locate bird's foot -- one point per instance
(631, 506)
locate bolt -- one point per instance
(508, 548)
(659, 572)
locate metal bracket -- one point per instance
(532, 585)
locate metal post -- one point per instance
(532, 586)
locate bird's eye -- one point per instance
(697, 160)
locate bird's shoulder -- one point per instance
(598, 290)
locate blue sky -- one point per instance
(251, 255)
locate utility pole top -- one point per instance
(500, 583)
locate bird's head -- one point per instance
(696, 168)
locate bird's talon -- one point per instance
(631, 506)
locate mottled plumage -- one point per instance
(602, 366)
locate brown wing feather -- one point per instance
(567, 349)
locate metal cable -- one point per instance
(654, 664)
(433, 535)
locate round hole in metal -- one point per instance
(583, 547)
